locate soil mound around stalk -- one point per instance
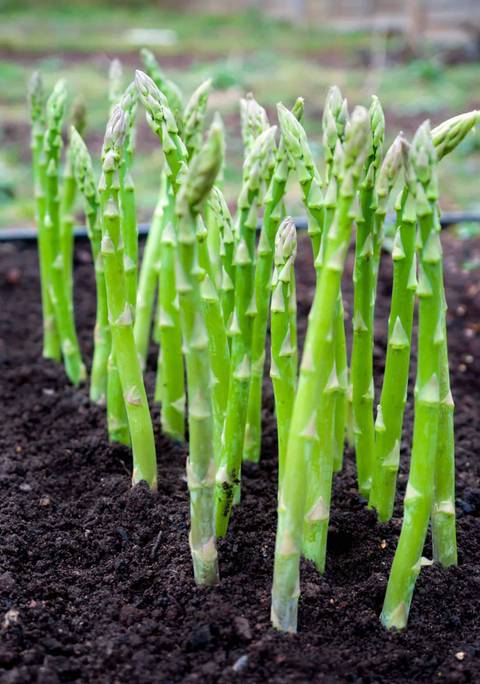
(96, 579)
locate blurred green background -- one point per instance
(242, 50)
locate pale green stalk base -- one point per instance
(341, 399)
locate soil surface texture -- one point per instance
(96, 578)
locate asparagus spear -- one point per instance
(82, 167)
(283, 370)
(201, 464)
(315, 380)
(334, 121)
(115, 82)
(68, 194)
(388, 427)
(128, 103)
(220, 214)
(418, 499)
(165, 85)
(162, 121)
(36, 97)
(255, 168)
(263, 274)
(119, 309)
(194, 118)
(254, 121)
(170, 363)
(364, 279)
(50, 162)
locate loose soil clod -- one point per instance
(95, 578)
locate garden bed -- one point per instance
(96, 579)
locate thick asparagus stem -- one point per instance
(119, 309)
(283, 369)
(273, 202)
(364, 278)
(201, 463)
(420, 488)
(169, 89)
(82, 167)
(256, 164)
(36, 96)
(314, 381)
(59, 296)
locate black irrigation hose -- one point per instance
(29, 234)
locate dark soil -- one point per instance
(96, 580)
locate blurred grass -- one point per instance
(242, 52)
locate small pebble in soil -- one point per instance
(25, 487)
(13, 275)
(44, 501)
(240, 664)
(460, 655)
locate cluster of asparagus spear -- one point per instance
(216, 287)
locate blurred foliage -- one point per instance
(241, 52)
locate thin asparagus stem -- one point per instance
(273, 202)
(170, 364)
(283, 369)
(119, 309)
(388, 426)
(220, 214)
(418, 499)
(50, 162)
(314, 381)
(364, 279)
(255, 170)
(36, 98)
(169, 89)
(82, 167)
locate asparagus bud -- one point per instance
(450, 133)
(254, 121)
(194, 117)
(36, 98)
(115, 81)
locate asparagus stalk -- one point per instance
(451, 132)
(388, 426)
(364, 279)
(315, 380)
(119, 309)
(254, 122)
(170, 89)
(55, 267)
(194, 118)
(69, 190)
(170, 364)
(161, 120)
(220, 214)
(115, 82)
(170, 371)
(82, 167)
(263, 273)
(334, 121)
(217, 336)
(418, 499)
(255, 169)
(283, 369)
(201, 464)
(36, 97)
(128, 103)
